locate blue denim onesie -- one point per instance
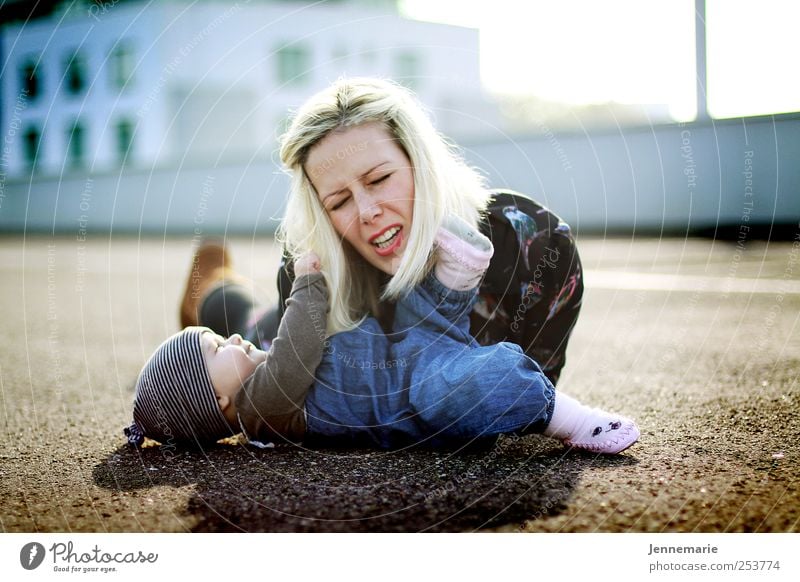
(427, 382)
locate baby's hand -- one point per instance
(308, 264)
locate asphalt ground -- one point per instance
(697, 340)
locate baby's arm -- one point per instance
(271, 402)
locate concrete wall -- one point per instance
(673, 178)
(234, 198)
(665, 178)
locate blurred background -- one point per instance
(656, 117)
(133, 129)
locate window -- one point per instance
(294, 63)
(124, 130)
(76, 145)
(121, 66)
(407, 69)
(30, 79)
(75, 73)
(31, 137)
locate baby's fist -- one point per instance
(308, 264)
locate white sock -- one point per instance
(588, 428)
(463, 254)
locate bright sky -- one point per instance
(634, 51)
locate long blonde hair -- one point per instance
(443, 184)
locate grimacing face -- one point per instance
(365, 182)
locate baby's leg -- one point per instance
(479, 392)
(491, 390)
(443, 302)
(434, 309)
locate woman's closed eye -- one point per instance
(341, 203)
(381, 179)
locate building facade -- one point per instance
(152, 85)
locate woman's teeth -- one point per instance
(386, 238)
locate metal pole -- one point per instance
(700, 58)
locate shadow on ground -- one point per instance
(286, 489)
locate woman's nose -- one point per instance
(367, 208)
(369, 214)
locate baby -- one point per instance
(427, 381)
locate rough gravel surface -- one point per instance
(697, 340)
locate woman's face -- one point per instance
(365, 182)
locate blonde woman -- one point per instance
(371, 181)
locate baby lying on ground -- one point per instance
(427, 382)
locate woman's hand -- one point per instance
(307, 264)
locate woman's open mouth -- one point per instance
(389, 241)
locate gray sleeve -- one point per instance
(271, 402)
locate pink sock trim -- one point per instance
(462, 252)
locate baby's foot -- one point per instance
(590, 429)
(466, 232)
(463, 254)
(608, 435)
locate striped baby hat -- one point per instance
(175, 401)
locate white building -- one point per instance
(161, 117)
(97, 87)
